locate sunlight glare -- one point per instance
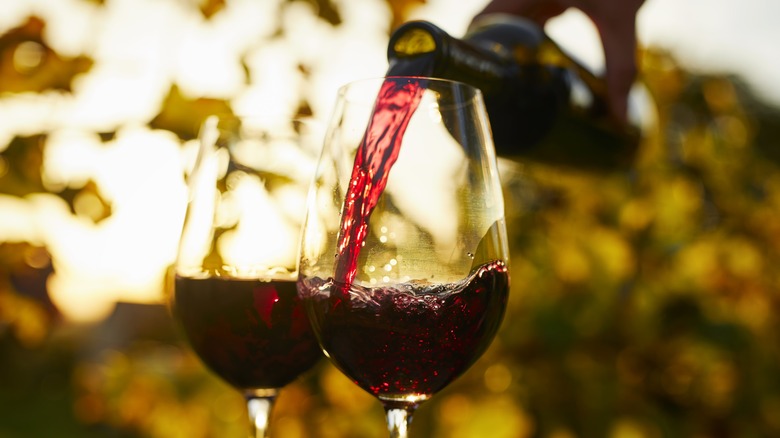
(31, 114)
(18, 221)
(578, 36)
(263, 237)
(209, 61)
(71, 25)
(275, 82)
(71, 158)
(123, 257)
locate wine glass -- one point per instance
(404, 259)
(234, 294)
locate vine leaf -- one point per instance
(211, 7)
(183, 116)
(23, 160)
(28, 64)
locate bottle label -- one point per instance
(414, 42)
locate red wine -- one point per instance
(408, 339)
(396, 102)
(254, 334)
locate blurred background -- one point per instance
(643, 303)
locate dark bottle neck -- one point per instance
(420, 48)
(542, 104)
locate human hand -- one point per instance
(616, 24)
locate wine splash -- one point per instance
(396, 102)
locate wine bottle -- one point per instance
(542, 103)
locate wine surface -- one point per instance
(254, 334)
(410, 339)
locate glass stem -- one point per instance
(259, 403)
(398, 420)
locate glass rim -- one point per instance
(474, 92)
(274, 125)
(268, 119)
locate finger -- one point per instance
(616, 23)
(619, 44)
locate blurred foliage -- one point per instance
(26, 313)
(643, 304)
(20, 175)
(21, 165)
(184, 116)
(24, 158)
(210, 7)
(27, 63)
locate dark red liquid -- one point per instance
(254, 334)
(396, 102)
(408, 339)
